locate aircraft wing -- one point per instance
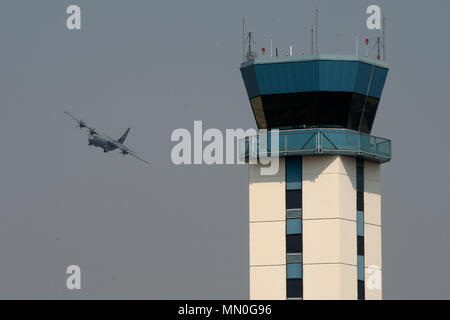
(70, 115)
(81, 123)
(126, 150)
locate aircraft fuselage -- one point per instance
(100, 142)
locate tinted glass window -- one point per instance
(293, 226)
(360, 201)
(359, 162)
(360, 179)
(318, 108)
(355, 111)
(360, 223)
(370, 110)
(360, 244)
(294, 243)
(293, 213)
(293, 173)
(293, 257)
(291, 109)
(334, 107)
(361, 291)
(294, 270)
(360, 267)
(293, 199)
(294, 288)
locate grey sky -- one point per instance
(182, 232)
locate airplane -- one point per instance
(104, 141)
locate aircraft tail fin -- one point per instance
(124, 136)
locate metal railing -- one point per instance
(316, 141)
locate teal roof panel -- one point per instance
(317, 73)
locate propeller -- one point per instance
(92, 131)
(81, 124)
(124, 152)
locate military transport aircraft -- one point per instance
(104, 141)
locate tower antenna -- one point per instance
(384, 39)
(250, 54)
(379, 45)
(243, 38)
(250, 39)
(367, 47)
(357, 46)
(337, 43)
(317, 30)
(271, 53)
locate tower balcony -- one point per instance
(316, 142)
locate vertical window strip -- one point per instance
(294, 239)
(360, 228)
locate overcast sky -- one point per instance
(182, 232)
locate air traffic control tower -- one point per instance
(315, 226)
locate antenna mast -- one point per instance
(379, 45)
(384, 39)
(271, 53)
(337, 43)
(250, 39)
(357, 46)
(250, 54)
(317, 30)
(367, 48)
(243, 39)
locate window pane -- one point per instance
(359, 179)
(294, 270)
(293, 199)
(293, 173)
(359, 163)
(360, 201)
(294, 288)
(293, 213)
(356, 111)
(293, 257)
(360, 267)
(361, 291)
(360, 245)
(360, 223)
(370, 110)
(294, 243)
(293, 226)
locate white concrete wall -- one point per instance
(329, 227)
(267, 214)
(372, 230)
